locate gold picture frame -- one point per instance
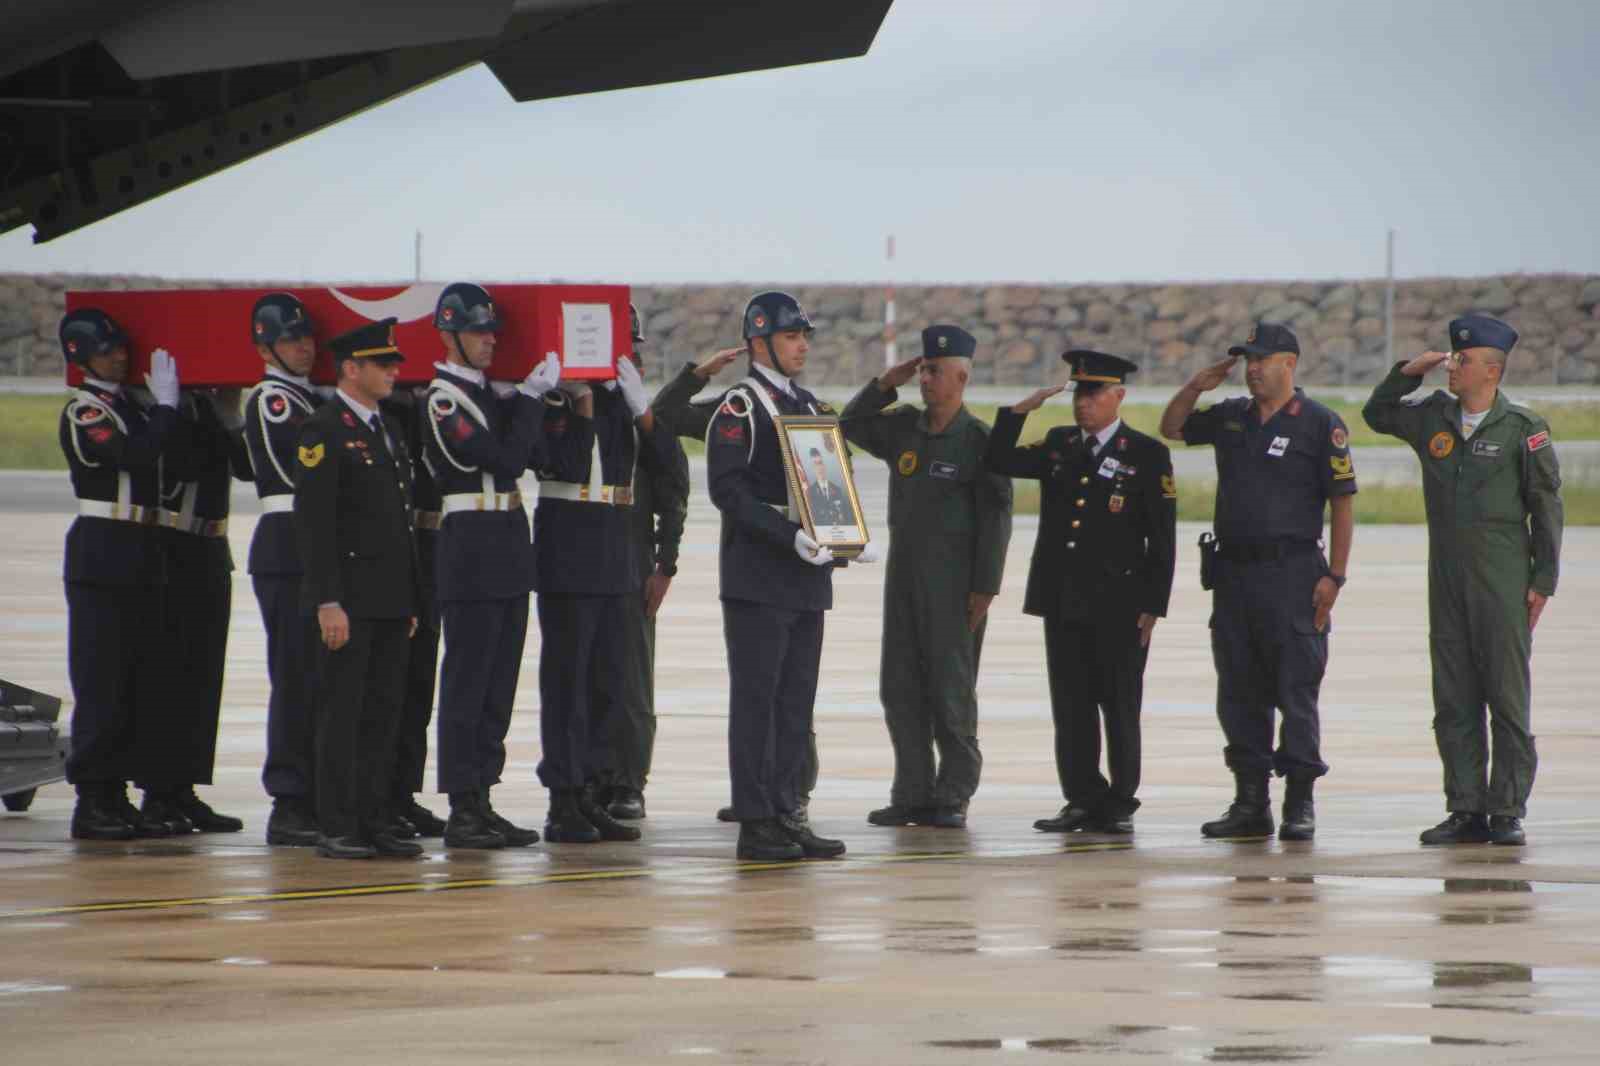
(822, 485)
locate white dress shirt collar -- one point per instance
(362, 412)
(293, 379)
(465, 373)
(103, 386)
(784, 385)
(1102, 438)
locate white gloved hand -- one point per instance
(632, 386)
(543, 378)
(163, 378)
(810, 550)
(502, 389)
(869, 553)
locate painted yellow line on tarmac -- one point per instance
(573, 877)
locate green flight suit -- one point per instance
(1494, 532)
(949, 523)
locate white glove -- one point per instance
(632, 386)
(163, 378)
(869, 553)
(543, 378)
(502, 389)
(810, 550)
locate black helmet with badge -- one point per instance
(465, 308)
(279, 316)
(774, 312)
(88, 332)
(1092, 371)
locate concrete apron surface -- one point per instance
(921, 946)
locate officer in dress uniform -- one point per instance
(274, 413)
(1101, 577)
(114, 573)
(684, 415)
(826, 497)
(478, 444)
(352, 518)
(197, 478)
(1493, 493)
(951, 521)
(1282, 459)
(776, 584)
(625, 744)
(587, 568)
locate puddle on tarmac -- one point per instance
(1425, 1040)
(695, 973)
(1261, 1053)
(29, 988)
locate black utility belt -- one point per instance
(1264, 551)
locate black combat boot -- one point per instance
(1462, 827)
(1250, 815)
(291, 824)
(158, 806)
(626, 803)
(200, 814)
(144, 825)
(726, 814)
(1506, 829)
(424, 821)
(470, 826)
(764, 840)
(95, 819)
(565, 823)
(897, 815)
(516, 836)
(386, 843)
(811, 845)
(1299, 813)
(608, 827)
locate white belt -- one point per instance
(120, 512)
(482, 501)
(277, 504)
(619, 495)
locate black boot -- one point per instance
(424, 821)
(144, 825)
(899, 815)
(159, 806)
(1251, 812)
(763, 840)
(811, 845)
(94, 819)
(597, 816)
(291, 824)
(469, 825)
(626, 803)
(1299, 813)
(1506, 829)
(1462, 827)
(725, 814)
(516, 836)
(564, 823)
(200, 814)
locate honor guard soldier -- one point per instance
(114, 572)
(678, 410)
(587, 568)
(408, 818)
(776, 583)
(625, 744)
(1493, 493)
(352, 518)
(1101, 578)
(951, 522)
(207, 450)
(477, 446)
(1282, 459)
(274, 413)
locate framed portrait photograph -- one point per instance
(820, 482)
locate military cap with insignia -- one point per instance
(1481, 331)
(1093, 370)
(1267, 338)
(940, 342)
(375, 340)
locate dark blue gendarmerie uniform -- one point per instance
(274, 413)
(1273, 484)
(115, 571)
(772, 604)
(477, 446)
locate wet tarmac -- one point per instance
(920, 946)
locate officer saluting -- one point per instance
(353, 522)
(951, 521)
(1101, 577)
(114, 571)
(477, 446)
(1282, 459)
(1493, 493)
(274, 413)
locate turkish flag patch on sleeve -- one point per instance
(461, 429)
(98, 434)
(1539, 440)
(730, 432)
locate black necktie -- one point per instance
(376, 425)
(1090, 444)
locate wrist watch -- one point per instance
(1337, 579)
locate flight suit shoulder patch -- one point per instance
(1539, 440)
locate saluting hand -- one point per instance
(1536, 602)
(714, 363)
(1424, 363)
(1322, 598)
(1213, 375)
(1034, 402)
(335, 626)
(899, 374)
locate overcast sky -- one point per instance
(1002, 140)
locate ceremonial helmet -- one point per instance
(465, 308)
(88, 332)
(774, 312)
(278, 316)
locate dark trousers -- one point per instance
(411, 745)
(114, 644)
(483, 642)
(1097, 671)
(623, 743)
(1269, 656)
(198, 606)
(773, 658)
(294, 656)
(581, 661)
(362, 690)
